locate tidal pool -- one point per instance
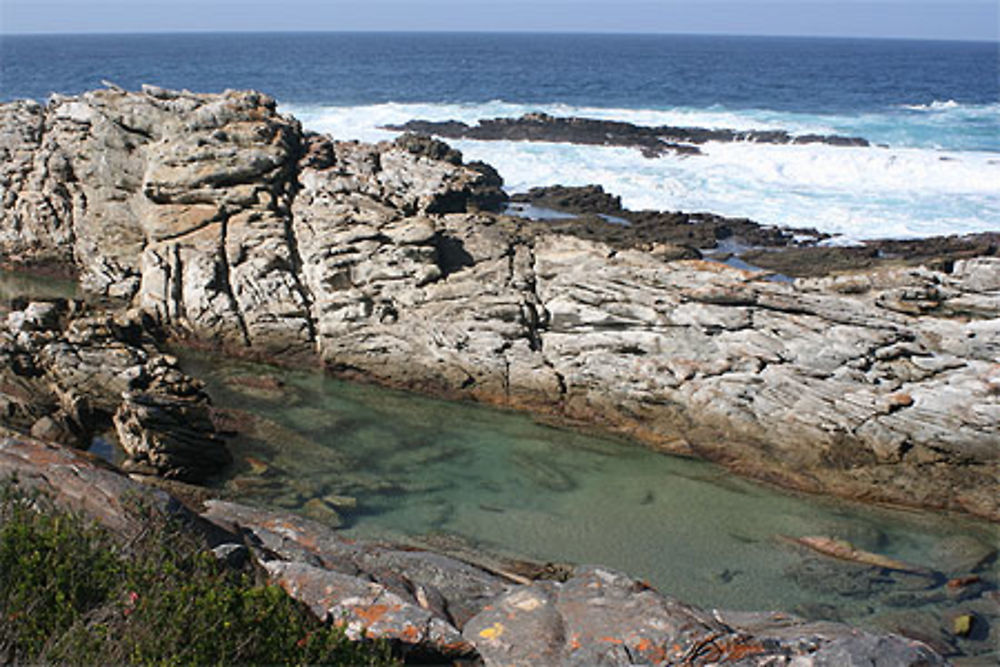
(389, 464)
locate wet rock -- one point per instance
(587, 199)
(847, 580)
(652, 141)
(646, 230)
(962, 554)
(345, 502)
(263, 387)
(938, 252)
(923, 626)
(174, 436)
(321, 511)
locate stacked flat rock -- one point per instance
(64, 373)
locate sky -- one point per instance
(916, 19)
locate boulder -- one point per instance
(67, 374)
(175, 436)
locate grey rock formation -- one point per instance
(447, 607)
(64, 373)
(223, 220)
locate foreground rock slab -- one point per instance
(597, 616)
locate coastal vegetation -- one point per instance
(217, 222)
(70, 592)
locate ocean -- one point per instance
(930, 109)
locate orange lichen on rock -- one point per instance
(371, 615)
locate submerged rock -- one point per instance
(962, 554)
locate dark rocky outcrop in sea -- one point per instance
(227, 224)
(788, 251)
(652, 141)
(642, 229)
(438, 608)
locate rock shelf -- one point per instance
(227, 224)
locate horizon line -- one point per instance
(446, 31)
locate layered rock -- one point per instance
(64, 373)
(223, 220)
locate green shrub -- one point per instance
(53, 568)
(70, 593)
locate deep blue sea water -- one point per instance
(935, 106)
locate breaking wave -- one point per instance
(921, 181)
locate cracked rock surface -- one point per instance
(66, 375)
(438, 608)
(229, 224)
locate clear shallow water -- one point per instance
(13, 284)
(936, 105)
(390, 464)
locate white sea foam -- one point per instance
(857, 192)
(936, 105)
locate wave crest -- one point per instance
(936, 105)
(859, 192)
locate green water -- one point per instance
(389, 464)
(381, 463)
(14, 284)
